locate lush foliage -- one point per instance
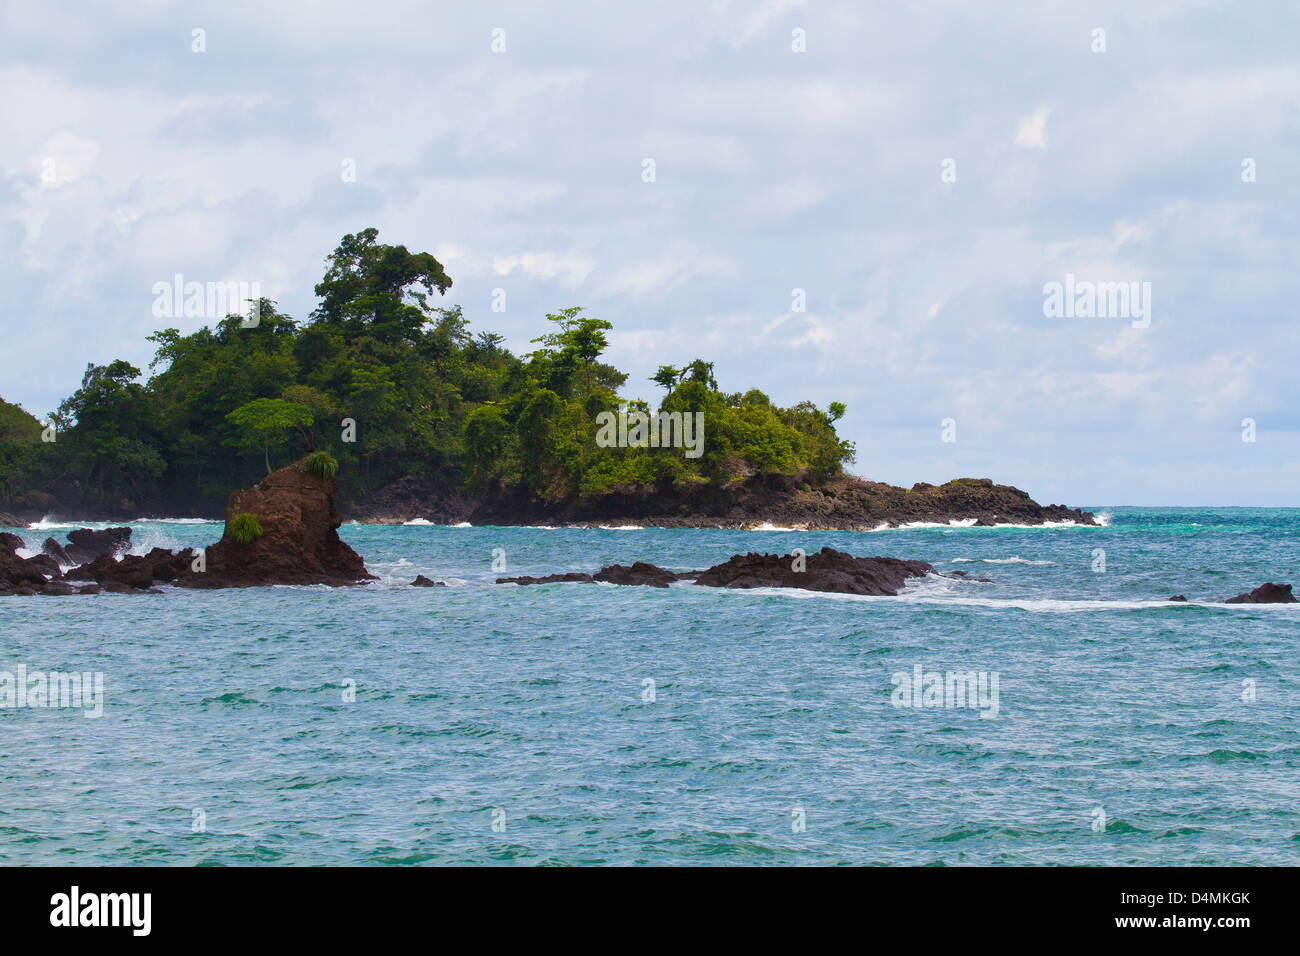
(321, 464)
(245, 528)
(393, 385)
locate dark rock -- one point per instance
(299, 543)
(90, 589)
(87, 544)
(639, 573)
(58, 588)
(422, 582)
(10, 541)
(133, 571)
(46, 565)
(1268, 593)
(827, 570)
(136, 570)
(166, 565)
(1178, 597)
(409, 497)
(17, 576)
(844, 502)
(577, 576)
(57, 552)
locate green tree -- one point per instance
(367, 284)
(266, 421)
(667, 376)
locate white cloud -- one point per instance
(1032, 132)
(570, 269)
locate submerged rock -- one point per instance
(1267, 593)
(827, 570)
(1178, 597)
(576, 576)
(422, 582)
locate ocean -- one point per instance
(578, 724)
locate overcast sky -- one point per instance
(127, 157)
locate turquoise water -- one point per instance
(772, 737)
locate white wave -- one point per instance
(1013, 560)
(45, 524)
(768, 526)
(946, 593)
(418, 523)
(621, 527)
(956, 523)
(920, 525)
(175, 521)
(462, 524)
(543, 527)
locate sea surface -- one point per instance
(594, 724)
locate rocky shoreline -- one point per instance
(840, 504)
(846, 503)
(284, 530)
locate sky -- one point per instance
(855, 202)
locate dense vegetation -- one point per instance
(391, 385)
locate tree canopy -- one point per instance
(393, 384)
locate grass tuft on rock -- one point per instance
(320, 464)
(245, 528)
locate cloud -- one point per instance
(672, 267)
(1032, 131)
(776, 170)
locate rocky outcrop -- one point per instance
(46, 565)
(135, 572)
(57, 552)
(826, 570)
(299, 543)
(579, 577)
(86, 544)
(1268, 593)
(18, 575)
(23, 576)
(639, 572)
(1178, 598)
(422, 582)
